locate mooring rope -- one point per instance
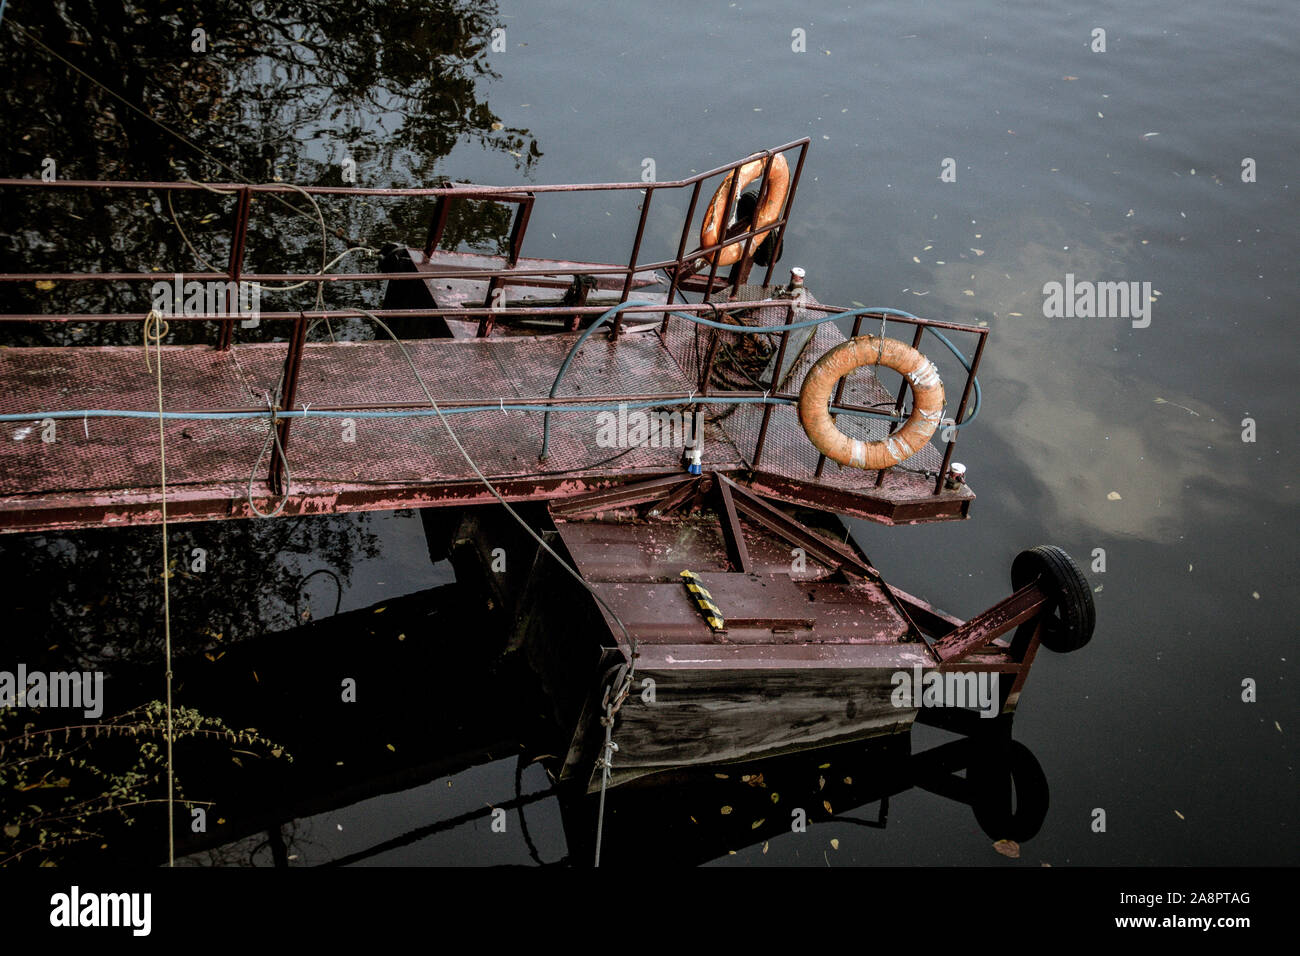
(155, 330)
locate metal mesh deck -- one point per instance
(110, 454)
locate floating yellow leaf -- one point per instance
(391, 747)
(835, 844)
(1009, 848)
(1179, 815)
(827, 805)
(756, 824)
(1114, 496)
(726, 810)
(45, 285)
(765, 845)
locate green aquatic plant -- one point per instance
(65, 785)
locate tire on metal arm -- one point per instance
(1071, 613)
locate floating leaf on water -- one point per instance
(848, 781)
(821, 783)
(11, 830)
(497, 126)
(381, 610)
(915, 259)
(756, 824)
(1069, 78)
(775, 796)
(391, 747)
(45, 285)
(1114, 496)
(835, 844)
(725, 811)
(1097, 589)
(1179, 815)
(978, 252)
(1278, 726)
(1008, 848)
(967, 291)
(824, 766)
(827, 805)
(721, 776)
(765, 846)
(1018, 315)
(1255, 595)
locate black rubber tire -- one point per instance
(1071, 614)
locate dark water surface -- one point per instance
(1123, 165)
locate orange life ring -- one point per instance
(770, 203)
(819, 386)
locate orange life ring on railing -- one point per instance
(768, 211)
(819, 385)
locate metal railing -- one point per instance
(679, 268)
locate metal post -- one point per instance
(238, 237)
(785, 215)
(961, 409)
(681, 248)
(437, 224)
(636, 251)
(776, 385)
(519, 228)
(292, 365)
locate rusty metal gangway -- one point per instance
(308, 427)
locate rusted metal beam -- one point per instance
(928, 618)
(732, 531)
(984, 627)
(621, 496)
(778, 522)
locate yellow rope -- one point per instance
(155, 330)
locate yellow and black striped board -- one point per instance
(712, 613)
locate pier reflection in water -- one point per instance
(465, 776)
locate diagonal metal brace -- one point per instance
(984, 627)
(777, 521)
